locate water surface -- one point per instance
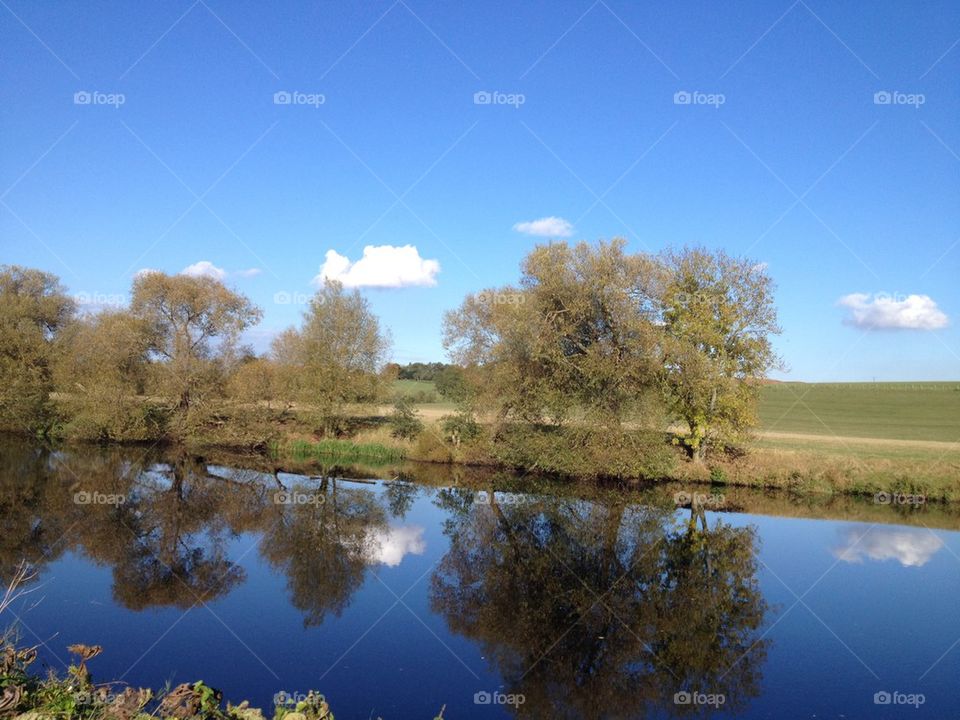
(490, 594)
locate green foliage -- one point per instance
(403, 421)
(421, 371)
(75, 697)
(452, 384)
(461, 427)
(338, 450)
(34, 311)
(334, 357)
(584, 452)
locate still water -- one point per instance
(486, 593)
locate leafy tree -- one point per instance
(335, 356)
(100, 374)
(193, 326)
(451, 383)
(576, 336)
(718, 315)
(403, 421)
(34, 310)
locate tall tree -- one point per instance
(336, 355)
(34, 310)
(718, 314)
(577, 334)
(100, 374)
(194, 324)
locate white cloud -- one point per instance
(251, 272)
(145, 271)
(204, 268)
(893, 312)
(911, 548)
(384, 266)
(545, 227)
(391, 546)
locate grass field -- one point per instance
(889, 411)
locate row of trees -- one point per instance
(593, 336)
(171, 364)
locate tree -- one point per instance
(193, 325)
(718, 315)
(100, 374)
(34, 310)
(335, 356)
(577, 335)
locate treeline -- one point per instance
(596, 353)
(589, 361)
(170, 365)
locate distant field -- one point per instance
(928, 412)
(899, 411)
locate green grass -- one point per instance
(338, 451)
(900, 411)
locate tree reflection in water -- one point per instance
(578, 604)
(586, 605)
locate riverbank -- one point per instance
(794, 462)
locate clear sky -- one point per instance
(149, 135)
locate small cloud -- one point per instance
(893, 312)
(545, 227)
(145, 271)
(389, 547)
(911, 548)
(383, 266)
(252, 272)
(204, 268)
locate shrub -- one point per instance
(403, 421)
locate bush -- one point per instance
(584, 452)
(461, 427)
(403, 421)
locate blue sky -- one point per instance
(785, 153)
